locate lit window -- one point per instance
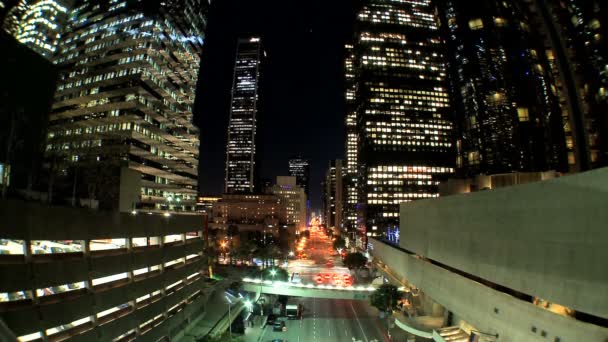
(476, 24)
(522, 113)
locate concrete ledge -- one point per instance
(487, 309)
(546, 239)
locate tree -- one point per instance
(339, 243)
(355, 260)
(385, 297)
(233, 230)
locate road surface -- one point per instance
(329, 320)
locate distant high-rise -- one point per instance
(333, 195)
(241, 148)
(403, 122)
(508, 118)
(38, 23)
(121, 125)
(300, 168)
(292, 196)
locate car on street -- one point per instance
(279, 326)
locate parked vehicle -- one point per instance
(279, 326)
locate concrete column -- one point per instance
(131, 276)
(31, 293)
(88, 283)
(163, 292)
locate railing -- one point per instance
(93, 276)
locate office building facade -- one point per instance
(121, 126)
(403, 125)
(38, 23)
(574, 33)
(351, 171)
(300, 168)
(292, 196)
(507, 114)
(242, 126)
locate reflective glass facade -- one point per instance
(403, 123)
(504, 95)
(575, 34)
(241, 149)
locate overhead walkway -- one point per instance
(307, 290)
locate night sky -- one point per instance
(303, 86)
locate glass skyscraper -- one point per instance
(574, 33)
(242, 127)
(508, 116)
(403, 122)
(123, 109)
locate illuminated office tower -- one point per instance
(121, 125)
(575, 33)
(403, 121)
(38, 24)
(351, 179)
(508, 117)
(241, 148)
(333, 195)
(300, 168)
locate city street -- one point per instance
(332, 320)
(321, 258)
(327, 319)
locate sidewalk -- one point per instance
(254, 334)
(216, 308)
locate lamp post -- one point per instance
(229, 317)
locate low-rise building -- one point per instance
(250, 212)
(293, 197)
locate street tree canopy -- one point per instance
(385, 297)
(339, 243)
(355, 260)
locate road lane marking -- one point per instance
(358, 322)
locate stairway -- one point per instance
(453, 334)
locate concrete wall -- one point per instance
(28, 221)
(130, 189)
(547, 239)
(488, 310)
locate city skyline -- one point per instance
(323, 171)
(303, 88)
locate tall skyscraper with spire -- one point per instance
(403, 122)
(242, 127)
